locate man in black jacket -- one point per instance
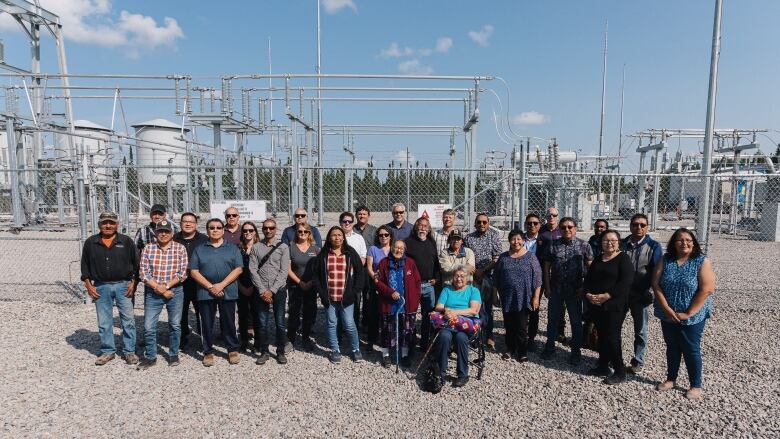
(109, 270)
(421, 246)
(190, 238)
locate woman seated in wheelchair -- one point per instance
(456, 318)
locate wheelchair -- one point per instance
(476, 346)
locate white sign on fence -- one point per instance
(249, 210)
(432, 212)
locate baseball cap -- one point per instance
(163, 225)
(108, 216)
(455, 234)
(158, 208)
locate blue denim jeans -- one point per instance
(442, 350)
(111, 293)
(639, 317)
(337, 312)
(685, 341)
(263, 308)
(427, 303)
(554, 313)
(486, 310)
(153, 305)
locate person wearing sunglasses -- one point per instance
(270, 262)
(566, 262)
(376, 253)
(421, 247)
(300, 217)
(486, 245)
(356, 241)
(645, 252)
(531, 237)
(248, 298)
(400, 227)
(550, 232)
(216, 265)
(303, 299)
(189, 237)
(232, 226)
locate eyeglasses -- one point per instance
(108, 223)
(611, 241)
(346, 221)
(303, 232)
(400, 212)
(640, 225)
(480, 222)
(568, 227)
(215, 227)
(248, 231)
(383, 235)
(269, 228)
(684, 241)
(532, 223)
(300, 215)
(189, 222)
(231, 215)
(552, 215)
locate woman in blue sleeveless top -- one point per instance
(683, 284)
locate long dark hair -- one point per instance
(326, 246)
(256, 238)
(671, 251)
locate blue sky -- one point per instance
(548, 52)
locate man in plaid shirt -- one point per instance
(163, 269)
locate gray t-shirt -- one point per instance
(299, 259)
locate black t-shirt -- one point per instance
(613, 277)
(425, 256)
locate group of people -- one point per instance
(378, 278)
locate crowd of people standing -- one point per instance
(410, 289)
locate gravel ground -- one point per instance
(51, 388)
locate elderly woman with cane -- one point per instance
(398, 284)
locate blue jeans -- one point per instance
(639, 317)
(554, 313)
(279, 303)
(153, 305)
(486, 310)
(685, 341)
(337, 312)
(427, 303)
(442, 349)
(109, 294)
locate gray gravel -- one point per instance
(50, 387)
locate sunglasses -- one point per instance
(400, 212)
(231, 215)
(269, 228)
(480, 222)
(110, 223)
(552, 215)
(383, 235)
(347, 221)
(568, 227)
(215, 228)
(532, 223)
(300, 215)
(303, 232)
(249, 231)
(640, 225)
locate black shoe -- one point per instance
(614, 379)
(575, 358)
(460, 381)
(146, 363)
(334, 357)
(386, 362)
(357, 357)
(600, 371)
(244, 346)
(281, 358)
(307, 344)
(635, 368)
(173, 361)
(522, 358)
(263, 358)
(505, 356)
(547, 354)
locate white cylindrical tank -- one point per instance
(94, 141)
(25, 160)
(563, 157)
(161, 156)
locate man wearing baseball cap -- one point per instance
(109, 266)
(145, 234)
(163, 269)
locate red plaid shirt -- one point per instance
(162, 266)
(337, 276)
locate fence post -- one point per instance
(13, 165)
(93, 207)
(169, 188)
(124, 209)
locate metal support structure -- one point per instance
(17, 211)
(451, 184)
(603, 102)
(320, 146)
(218, 162)
(124, 208)
(704, 216)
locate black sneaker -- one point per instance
(334, 357)
(635, 368)
(460, 381)
(146, 363)
(505, 356)
(386, 362)
(614, 379)
(173, 361)
(263, 358)
(522, 358)
(281, 358)
(600, 371)
(357, 357)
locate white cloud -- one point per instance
(361, 163)
(443, 44)
(482, 36)
(400, 157)
(333, 6)
(395, 51)
(414, 67)
(93, 22)
(530, 118)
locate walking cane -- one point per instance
(397, 335)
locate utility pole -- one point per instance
(320, 207)
(603, 99)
